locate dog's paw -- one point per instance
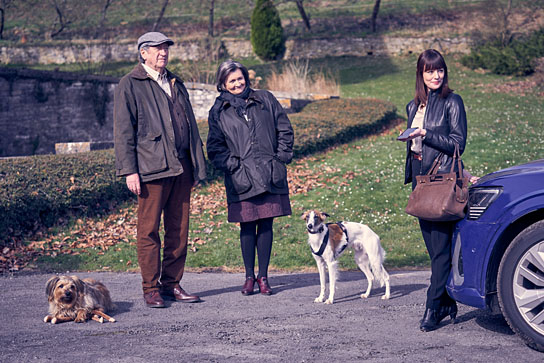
(329, 301)
(47, 319)
(319, 299)
(54, 321)
(79, 320)
(385, 297)
(364, 296)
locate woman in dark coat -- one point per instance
(251, 140)
(440, 119)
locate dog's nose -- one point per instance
(68, 293)
(310, 225)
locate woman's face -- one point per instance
(433, 79)
(235, 83)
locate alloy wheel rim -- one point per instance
(528, 287)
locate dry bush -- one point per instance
(296, 77)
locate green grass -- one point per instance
(189, 18)
(364, 179)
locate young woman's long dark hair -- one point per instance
(430, 60)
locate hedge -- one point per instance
(39, 191)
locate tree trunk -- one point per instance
(2, 23)
(103, 19)
(210, 23)
(302, 12)
(62, 23)
(158, 21)
(506, 13)
(375, 15)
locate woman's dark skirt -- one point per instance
(261, 206)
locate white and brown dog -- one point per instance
(71, 298)
(329, 241)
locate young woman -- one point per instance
(440, 118)
(251, 140)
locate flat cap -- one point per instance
(153, 39)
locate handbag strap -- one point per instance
(436, 165)
(456, 157)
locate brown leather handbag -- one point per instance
(440, 197)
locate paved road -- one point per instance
(229, 327)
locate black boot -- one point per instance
(430, 320)
(450, 310)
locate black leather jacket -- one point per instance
(253, 154)
(446, 124)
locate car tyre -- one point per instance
(520, 285)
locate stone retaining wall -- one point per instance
(235, 48)
(39, 109)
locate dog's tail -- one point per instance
(376, 265)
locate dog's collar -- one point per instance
(319, 230)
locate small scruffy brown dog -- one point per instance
(71, 298)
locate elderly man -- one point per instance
(159, 151)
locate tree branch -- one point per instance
(159, 19)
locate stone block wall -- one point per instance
(39, 109)
(235, 48)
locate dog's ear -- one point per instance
(304, 215)
(50, 287)
(323, 215)
(80, 285)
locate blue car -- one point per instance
(498, 249)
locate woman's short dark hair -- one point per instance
(226, 68)
(430, 60)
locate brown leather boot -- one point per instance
(247, 289)
(264, 287)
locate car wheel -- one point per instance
(520, 285)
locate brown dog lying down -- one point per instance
(71, 298)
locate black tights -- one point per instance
(256, 234)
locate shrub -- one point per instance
(266, 31)
(37, 191)
(516, 58)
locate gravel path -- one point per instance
(230, 327)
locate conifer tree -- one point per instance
(266, 31)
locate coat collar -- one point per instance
(140, 73)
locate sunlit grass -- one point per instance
(364, 179)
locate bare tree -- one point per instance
(4, 4)
(210, 23)
(159, 19)
(105, 12)
(60, 7)
(305, 18)
(505, 13)
(375, 15)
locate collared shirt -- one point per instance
(417, 143)
(160, 78)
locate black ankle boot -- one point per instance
(430, 320)
(450, 310)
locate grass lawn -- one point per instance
(362, 181)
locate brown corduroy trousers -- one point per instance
(171, 197)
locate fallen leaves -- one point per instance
(102, 234)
